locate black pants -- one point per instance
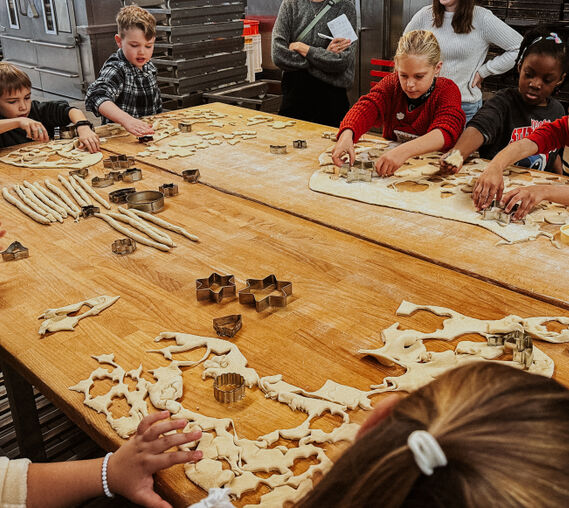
(308, 98)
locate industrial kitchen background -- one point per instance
(202, 45)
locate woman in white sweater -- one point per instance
(465, 32)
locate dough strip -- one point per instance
(53, 197)
(131, 234)
(166, 225)
(84, 196)
(42, 195)
(23, 208)
(137, 224)
(39, 203)
(92, 192)
(71, 191)
(131, 214)
(71, 205)
(30, 204)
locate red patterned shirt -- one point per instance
(386, 105)
(551, 136)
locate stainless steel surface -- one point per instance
(51, 41)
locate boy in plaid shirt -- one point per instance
(126, 88)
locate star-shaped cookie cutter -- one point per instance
(246, 296)
(215, 287)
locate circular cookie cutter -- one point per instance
(147, 201)
(229, 387)
(564, 234)
(277, 149)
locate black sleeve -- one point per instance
(52, 113)
(490, 119)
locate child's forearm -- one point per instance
(9, 124)
(512, 153)
(76, 115)
(555, 193)
(64, 483)
(113, 112)
(470, 141)
(430, 142)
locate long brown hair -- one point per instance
(503, 431)
(462, 19)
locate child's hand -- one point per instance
(338, 45)
(88, 139)
(490, 185)
(34, 130)
(390, 161)
(344, 146)
(527, 198)
(131, 467)
(138, 127)
(449, 169)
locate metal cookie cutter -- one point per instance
(17, 251)
(191, 175)
(278, 149)
(358, 175)
(90, 210)
(116, 176)
(145, 139)
(215, 287)
(82, 172)
(519, 342)
(497, 213)
(280, 300)
(131, 175)
(169, 189)
(123, 246)
(185, 126)
(299, 143)
(100, 182)
(147, 201)
(121, 161)
(229, 387)
(119, 196)
(227, 326)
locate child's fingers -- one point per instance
(147, 421)
(165, 460)
(156, 430)
(167, 442)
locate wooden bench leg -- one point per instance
(24, 414)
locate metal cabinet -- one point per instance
(58, 43)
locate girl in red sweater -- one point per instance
(413, 105)
(548, 137)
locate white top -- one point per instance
(464, 54)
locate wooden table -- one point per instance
(535, 268)
(346, 290)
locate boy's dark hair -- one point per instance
(133, 16)
(12, 79)
(545, 40)
(462, 19)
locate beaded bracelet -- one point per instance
(106, 490)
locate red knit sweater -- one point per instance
(386, 104)
(551, 136)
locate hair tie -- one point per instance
(426, 450)
(554, 37)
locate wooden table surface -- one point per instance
(248, 169)
(346, 290)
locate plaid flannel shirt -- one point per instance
(133, 90)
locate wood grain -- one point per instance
(281, 181)
(346, 290)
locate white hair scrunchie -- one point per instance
(426, 450)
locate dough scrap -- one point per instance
(59, 319)
(42, 156)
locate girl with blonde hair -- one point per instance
(413, 105)
(482, 435)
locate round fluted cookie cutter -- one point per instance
(564, 234)
(229, 387)
(146, 201)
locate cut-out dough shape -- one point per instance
(56, 320)
(54, 154)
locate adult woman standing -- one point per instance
(317, 71)
(465, 32)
